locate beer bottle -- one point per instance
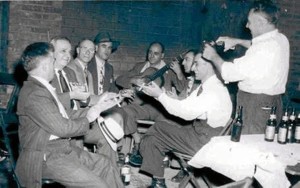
(126, 172)
(271, 126)
(297, 130)
(237, 126)
(291, 128)
(282, 132)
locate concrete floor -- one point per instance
(140, 180)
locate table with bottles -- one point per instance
(252, 156)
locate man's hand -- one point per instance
(172, 93)
(79, 95)
(229, 43)
(152, 89)
(137, 81)
(127, 93)
(106, 101)
(175, 66)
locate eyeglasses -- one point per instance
(85, 49)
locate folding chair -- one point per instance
(183, 158)
(9, 91)
(293, 173)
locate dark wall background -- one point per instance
(179, 25)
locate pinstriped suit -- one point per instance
(39, 117)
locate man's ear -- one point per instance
(162, 55)
(96, 48)
(77, 50)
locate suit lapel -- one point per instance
(35, 81)
(92, 67)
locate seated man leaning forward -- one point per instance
(46, 126)
(209, 105)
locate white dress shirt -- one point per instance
(213, 104)
(161, 64)
(264, 68)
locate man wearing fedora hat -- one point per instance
(101, 70)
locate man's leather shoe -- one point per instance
(179, 176)
(135, 158)
(158, 183)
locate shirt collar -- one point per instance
(99, 62)
(158, 66)
(209, 81)
(265, 36)
(45, 83)
(82, 65)
(62, 71)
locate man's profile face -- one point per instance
(62, 53)
(155, 54)
(188, 62)
(104, 50)
(48, 62)
(86, 51)
(199, 67)
(256, 23)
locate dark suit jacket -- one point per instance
(170, 78)
(109, 81)
(39, 117)
(75, 74)
(63, 97)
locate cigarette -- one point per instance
(141, 87)
(117, 102)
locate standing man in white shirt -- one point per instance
(209, 105)
(262, 72)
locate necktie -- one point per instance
(86, 76)
(100, 88)
(63, 83)
(199, 90)
(190, 85)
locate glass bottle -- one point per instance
(282, 132)
(237, 126)
(297, 130)
(271, 126)
(291, 128)
(126, 172)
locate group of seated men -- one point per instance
(67, 103)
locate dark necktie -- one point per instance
(63, 83)
(199, 90)
(86, 76)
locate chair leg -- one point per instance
(194, 181)
(184, 182)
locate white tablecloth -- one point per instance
(238, 160)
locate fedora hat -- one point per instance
(111, 130)
(105, 37)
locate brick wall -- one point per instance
(135, 25)
(31, 21)
(178, 24)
